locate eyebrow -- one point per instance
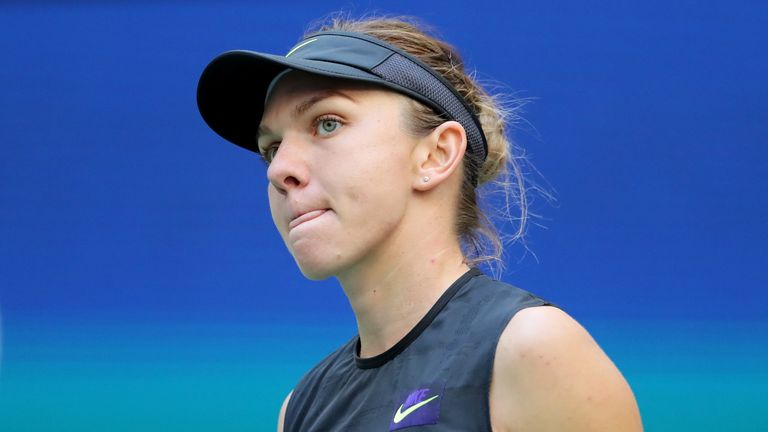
(305, 105)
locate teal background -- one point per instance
(686, 375)
(143, 287)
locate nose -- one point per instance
(288, 169)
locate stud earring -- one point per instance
(425, 179)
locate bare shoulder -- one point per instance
(281, 416)
(549, 374)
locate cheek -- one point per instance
(378, 192)
(276, 210)
(381, 157)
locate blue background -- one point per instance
(143, 287)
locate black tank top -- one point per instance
(437, 378)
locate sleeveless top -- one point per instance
(437, 378)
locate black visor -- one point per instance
(233, 87)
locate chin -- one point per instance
(316, 269)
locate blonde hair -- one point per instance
(479, 239)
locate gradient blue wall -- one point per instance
(142, 286)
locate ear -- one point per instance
(440, 154)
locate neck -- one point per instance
(394, 288)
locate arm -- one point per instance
(281, 416)
(550, 375)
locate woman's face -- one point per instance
(340, 177)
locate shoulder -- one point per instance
(499, 298)
(549, 374)
(325, 374)
(339, 360)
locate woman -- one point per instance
(376, 141)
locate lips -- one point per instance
(306, 217)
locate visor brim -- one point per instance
(233, 87)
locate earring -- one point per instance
(425, 179)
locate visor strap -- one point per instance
(400, 70)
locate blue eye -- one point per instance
(327, 125)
